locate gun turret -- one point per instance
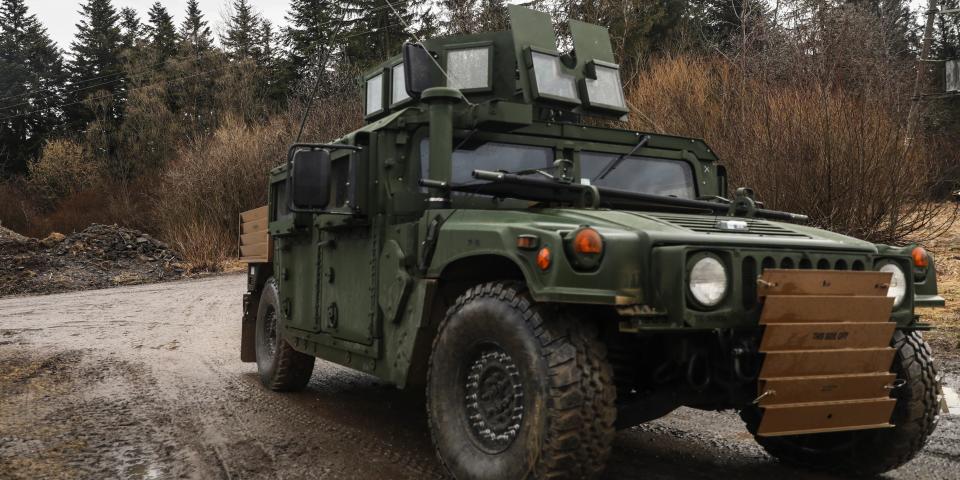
(520, 65)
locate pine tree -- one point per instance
(96, 70)
(462, 16)
(376, 31)
(31, 82)
(161, 33)
(194, 31)
(494, 16)
(130, 28)
(722, 24)
(311, 26)
(242, 38)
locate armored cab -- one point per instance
(548, 281)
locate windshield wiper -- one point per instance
(616, 162)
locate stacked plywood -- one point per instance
(827, 354)
(255, 246)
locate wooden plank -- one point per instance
(822, 309)
(801, 363)
(253, 226)
(826, 336)
(255, 214)
(256, 250)
(254, 260)
(805, 418)
(823, 282)
(255, 237)
(824, 388)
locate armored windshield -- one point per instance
(655, 176)
(492, 156)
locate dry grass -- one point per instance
(203, 191)
(806, 147)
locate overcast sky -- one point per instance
(61, 16)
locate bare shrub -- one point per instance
(14, 206)
(203, 191)
(807, 148)
(64, 168)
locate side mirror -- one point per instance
(310, 180)
(419, 68)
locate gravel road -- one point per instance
(146, 382)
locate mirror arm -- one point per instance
(307, 146)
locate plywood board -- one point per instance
(822, 309)
(823, 282)
(806, 418)
(826, 362)
(253, 226)
(824, 388)
(255, 237)
(255, 214)
(258, 250)
(826, 336)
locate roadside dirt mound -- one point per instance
(98, 257)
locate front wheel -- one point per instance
(871, 452)
(518, 390)
(281, 367)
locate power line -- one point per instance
(128, 77)
(123, 76)
(169, 80)
(103, 97)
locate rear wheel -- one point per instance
(518, 390)
(281, 367)
(870, 452)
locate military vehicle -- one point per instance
(547, 282)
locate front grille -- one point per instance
(753, 264)
(708, 224)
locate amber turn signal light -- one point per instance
(920, 258)
(544, 258)
(528, 242)
(588, 242)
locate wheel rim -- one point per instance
(494, 399)
(270, 332)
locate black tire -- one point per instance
(871, 452)
(281, 368)
(494, 344)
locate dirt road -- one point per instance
(145, 382)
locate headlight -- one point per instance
(585, 248)
(708, 281)
(898, 283)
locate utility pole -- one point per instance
(921, 70)
(922, 67)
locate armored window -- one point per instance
(489, 156)
(655, 176)
(374, 94)
(551, 80)
(469, 68)
(399, 85)
(605, 89)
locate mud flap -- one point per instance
(827, 354)
(248, 328)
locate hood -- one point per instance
(686, 229)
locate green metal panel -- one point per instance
(591, 42)
(530, 28)
(383, 271)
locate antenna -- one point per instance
(321, 68)
(416, 37)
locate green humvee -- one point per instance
(549, 282)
